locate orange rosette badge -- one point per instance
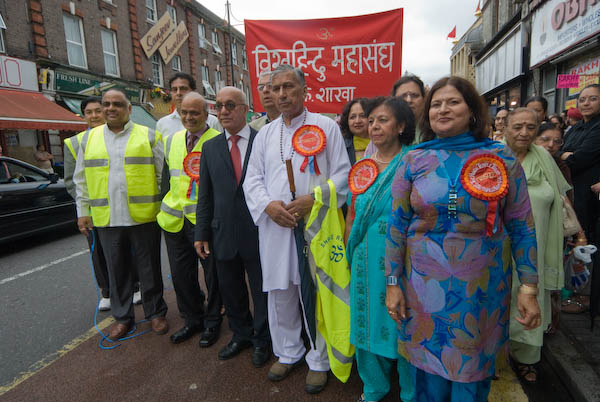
(362, 175)
(191, 167)
(485, 177)
(309, 141)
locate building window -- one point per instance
(219, 80)
(215, 43)
(157, 73)
(75, 41)
(173, 13)
(151, 10)
(208, 89)
(234, 53)
(176, 63)
(2, 28)
(202, 41)
(244, 60)
(111, 56)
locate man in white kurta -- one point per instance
(270, 202)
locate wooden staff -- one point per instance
(290, 174)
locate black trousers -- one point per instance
(127, 248)
(184, 273)
(100, 269)
(232, 281)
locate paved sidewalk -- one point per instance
(150, 368)
(574, 352)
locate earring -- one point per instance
(473, 120)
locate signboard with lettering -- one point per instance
(558, 25)
(343, 58)
(588, 74)
(88, 85)
(157, 34)
(18, 74)
(567, 81)
(172, 44)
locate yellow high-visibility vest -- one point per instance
(176, 206)
(73, 142)
(325, 233)
(143, 197)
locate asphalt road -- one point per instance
(48, 299)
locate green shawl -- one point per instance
(539, 165)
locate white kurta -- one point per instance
(266, 180)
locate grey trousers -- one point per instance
(127, 248)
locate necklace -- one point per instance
(375, 157)
(281, 138)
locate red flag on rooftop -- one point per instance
(452, 34)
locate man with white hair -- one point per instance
(276, 214)
(266, 100)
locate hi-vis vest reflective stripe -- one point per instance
(143, 198)
(73, 143)
(325, 234)
(176, 204)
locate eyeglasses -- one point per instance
(589, 98)
(262, 87)
(228, 105)
(410, 95)
(559, 142)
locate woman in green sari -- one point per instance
(373, 332)
(545, 185)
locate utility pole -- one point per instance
(231, 44)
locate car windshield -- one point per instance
(14, 173)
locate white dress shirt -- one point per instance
(242, 143)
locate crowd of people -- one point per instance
(454, 232)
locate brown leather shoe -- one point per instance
(118, 331)
(160, 326)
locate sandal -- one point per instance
(572, 306)
(527, 373)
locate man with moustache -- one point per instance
(226, 231)
(275, 213)
(266, 100)
(117, 177)
(180, 85)
(177, 218)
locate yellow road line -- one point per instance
(507, 388)
(51, 358)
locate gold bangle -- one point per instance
(528, 290)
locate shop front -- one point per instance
(27, 117)
(565, 41)
(499, 70)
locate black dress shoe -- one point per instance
(209, 336)
(260, 356)
(185, 333)
(233, 349)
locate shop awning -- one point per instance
(139, 115)
(31, 110)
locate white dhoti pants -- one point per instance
(285, 324)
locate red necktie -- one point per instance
(236, 157)
(191, 142)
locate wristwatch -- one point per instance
(391, 280)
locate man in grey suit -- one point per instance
(225, 229)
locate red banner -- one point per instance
(343, 58)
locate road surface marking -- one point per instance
(52, 357)
(42, 267)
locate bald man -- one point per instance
(226, 231)
(177, 218)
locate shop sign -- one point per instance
(158, 34)
(170, 47)
(89, 85)
(567, 81)
(18, 74)
(558, 25)
(588, 74)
